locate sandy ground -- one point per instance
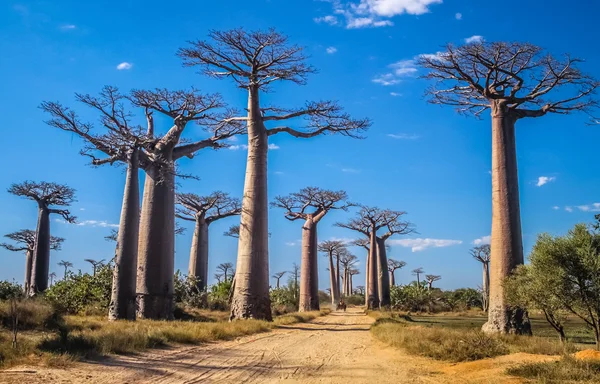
(337, 348)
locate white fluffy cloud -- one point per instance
(474, 39)
(91, 223)
(556, 207)
(542, 180)
(331, 50)
(374, 13)
(67, 27)
(594, 207)
(403, 136)
(458, 16)
(124, 66)
(395, 94)
(400, 69)
(482, 240)
(569, 209)
(420, 244)
(245, 147)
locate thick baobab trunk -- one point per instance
(332, 278)
(199, 254)
(123, 298)
(383, 284)
(41, 253)
(506, 243)
(372, 293)
(251, 294)
(486, 286)
(309, 279)
(28, 267)
(156, 246)
(392, 279)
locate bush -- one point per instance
(563, 371)
(33, 314)
(355, 300)
(9, 290)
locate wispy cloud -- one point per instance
(124, 66)
(245, 147)
(482, 240)
(543, 180)
(419, 244)
(556, 207)
(350, 170)
(82, 209)
(395, 94)
(594, 207)
(67, 27)
(569, 209)
(331, 50)
(278, 173)
(458, 16)
(91, 223)
(293, 243)
(403, 136)
(400, 69)
(474, 39)
(374, 13)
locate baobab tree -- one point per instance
(203, 211)
(52, 276)
(277, 276)
(347, 260)
(481, 253)
(295, 276)
(418, 272)
(46, 195)
(351, 273)
(225, 267)
(255, 60)
(112, 236)
(218, 277)
(25, 242)
(365, 243)
(95, 264)
(233, 231)
(368, 221)
(311, 204)
(360, 289)
(393, 265)
(66, 265)
(513, 81)
(430, 280)
(331, 249)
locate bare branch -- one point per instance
(44, 193)
(320, 200)
(215, 206)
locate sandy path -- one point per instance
(337, 348)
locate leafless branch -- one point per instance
(320, 200)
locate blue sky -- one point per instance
(420, 158)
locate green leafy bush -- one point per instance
(9, 290)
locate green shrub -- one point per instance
(355, 300)
(33, 314)
(9, 290)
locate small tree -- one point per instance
(513, 81)
(360, 289)
(418, 272)
(95, 264)
(52, 276)
(277, 276)
(347, 260)
(331, 249)
(481, 253)
(218, 277)
(393, 265)
(431, 279)
(225, 267)
(66, 265)
(203, 211)
(233, 231)
(46, 195)
(311, 204)
(25, 240)
(255, 60)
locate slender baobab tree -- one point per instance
(331, 249)
(297, 205)
(95, 264)
(113, 236)
(295, 278)
(365, 243)
(25, 240)
(277, 276)
(513, 81)
(233, 231)
(368, 222)
(351, 273)
(360, 289)
(52, 276)
(46, 195)
(224, 268)
(218, 277)
(430, 280)
(393, 265)
(255, 60)
(481, 253)
(347, 260)
(204, 210)
(66, 265)
(418, 272)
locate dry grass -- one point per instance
(564, 371)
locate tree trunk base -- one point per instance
(155, 307)
(372, 304)
(312, 305)
(122, 310)
(258, 308)
(509, 320)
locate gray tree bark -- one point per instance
(383, 285)
(332, 278)
(251, 295)
(392, 279)
(123, 297)
(41, 253)
(506, 239)
(199, 254)
(486, 286)
(372, 293)
(337, 278)
(28, 268)
(367, 278)
(309, 281)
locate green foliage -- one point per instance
(410, 297)
(462, 299)
(82, 292)
(185, 291)
(33, 314)
(355, 300)
(284, 299)
(218, 297)
(9, 290)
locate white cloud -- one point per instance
(395, 94)
(350, 170)
(331, 50)
(67, 27)
(124, 66)
(569, 209)
(403, 136)
(278, 173)
(293, 243)
(91, 223)
(482, 240)
(345, 240)
(400, 69)
(374, 13)
(594, 207)
(544, 180)
(273, 146)
(245, 147)
(82, 209)
(474, 39)
(386, 79)
(420, 244)
(556, 207)
(331, 20)
(458, 16)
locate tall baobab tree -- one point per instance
(277, 276)
(393, 265)
(296, 274)
(361, 289)
(113, 236)
(331, 249)
(255, 60)
(218, 277)
(351, 273)
(366, 244)
(25, 240)
(52, 276)
(225, 267)
(95, 264)
(481, 253)
(66, 265)
(233, 231)
(347, 260)
(513, 81)
(431, 279)
(204, 210)
(46, 195)
(418, 272)
(368, 222)
(311, 204)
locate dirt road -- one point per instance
(337, 348)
